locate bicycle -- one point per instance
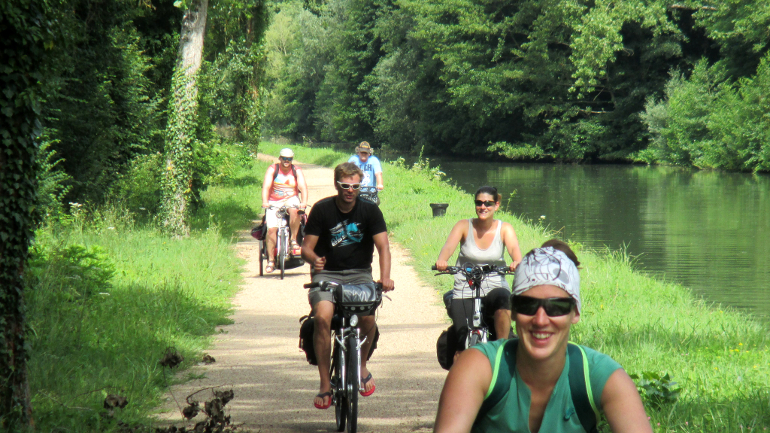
(478, 331)
(282, 252)
(350, 301)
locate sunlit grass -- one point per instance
(108, 297)
(718, 356)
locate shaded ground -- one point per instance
(274, 386)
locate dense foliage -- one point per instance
(523, 78)
(25, 33)
(107, 88)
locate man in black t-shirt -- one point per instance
(340, 236)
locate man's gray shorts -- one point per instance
(350, 276)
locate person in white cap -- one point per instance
(370, 165)
(538, 382)
(284, 185)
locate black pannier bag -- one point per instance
(446, 346)
(306, 329)
(260, 230)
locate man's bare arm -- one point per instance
(383, 250)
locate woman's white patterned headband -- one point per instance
(547, 266)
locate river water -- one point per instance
(708, 230)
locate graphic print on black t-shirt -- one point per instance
(346, 240)
(346, 233)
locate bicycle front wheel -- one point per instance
(283, 243)
(353, 382)
(473, 339)
(338, 387)
(261, 257)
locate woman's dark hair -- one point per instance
(563, 247)
(491, 190)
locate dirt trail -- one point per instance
(258, 357)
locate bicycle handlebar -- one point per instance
(467, 270)
(285, 208)
(324, 285)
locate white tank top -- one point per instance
(471, 253)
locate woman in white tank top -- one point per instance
(483, 241)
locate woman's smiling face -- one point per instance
(485, 211)
(543, 336)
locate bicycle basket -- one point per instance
(360, 298)
(369, 194)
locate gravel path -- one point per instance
(258, 357)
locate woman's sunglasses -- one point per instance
(286, 159)
(488, 203)
(355, 186)
(553, 307)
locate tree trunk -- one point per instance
(22, 53)
(177, 186)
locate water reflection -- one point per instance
(705, 229)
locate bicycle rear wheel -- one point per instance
(353, 382)
(283, 241)
(338, 387)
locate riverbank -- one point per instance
(718, 357)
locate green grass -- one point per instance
(107, 298)
(718, 356)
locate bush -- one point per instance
(138, 189)
(708, 122)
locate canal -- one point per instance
(708, 230)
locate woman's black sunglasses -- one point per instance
(553, 307)
(488, 203)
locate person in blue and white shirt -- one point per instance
(369, 164)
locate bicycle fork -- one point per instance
(343, 364)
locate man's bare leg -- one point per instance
(323, 312)
(368, 325)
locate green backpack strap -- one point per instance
(579, 383)
(580, 388)
(501, 376)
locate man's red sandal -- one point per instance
(363, 387)
(323, 396)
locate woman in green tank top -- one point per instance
(538, 394)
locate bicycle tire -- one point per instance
(338, 387)
(353, 381)
(473, 339)
(282, 244)
(261, 258)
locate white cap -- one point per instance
(287, 153)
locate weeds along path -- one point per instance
(257, 356)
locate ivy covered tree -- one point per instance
(177, 183)
(24, 34)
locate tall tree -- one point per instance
(23, 34)
(177, 186)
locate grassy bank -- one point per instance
(108, 297)
(718, 357)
